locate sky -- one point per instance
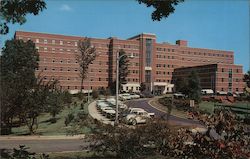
(213, 24)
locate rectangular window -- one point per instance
(61, 42)
(37, 40)
(75, 43)
(45, 41)
(53, 41)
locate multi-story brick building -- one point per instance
(153, 63)
(218, 77)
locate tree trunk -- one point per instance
(81, 84)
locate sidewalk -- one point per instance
(58, 137)
(93, 112)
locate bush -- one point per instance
(95, 94)
(66, 97)
(69, 118)
(21, 153)
(80, 95)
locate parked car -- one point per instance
(124, 96)
(138, 116)
(134, 96)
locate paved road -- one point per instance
(172, 119)
(42, 146)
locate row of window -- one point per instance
(133, 71)
(163, 72)
(163, 80)
(73, 78)
(132, 88)
(164, 65)
(164, 49)
(164, 56)
(132, 79)
(206, 54)
(53, 50)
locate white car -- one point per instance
(125, 96)
(134, 96)
(138, 116)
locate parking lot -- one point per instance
(105, 110)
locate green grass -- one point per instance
(209, 106)
(47, 128)
(206, 106)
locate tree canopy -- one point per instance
(18, 63)
(247, 78)
(85, 56)
(163, 8)
(14, 11)
(194, 86)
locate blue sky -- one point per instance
(214, 24)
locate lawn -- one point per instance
(209, 106)
(45, 127)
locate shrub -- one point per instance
(95, 94)
(69, 118)
(66, 97)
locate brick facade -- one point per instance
(153, 63)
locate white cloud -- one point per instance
(65, 7)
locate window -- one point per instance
(222, 70)
(222, 80)
(61, 42)
(37, 40)
(45, 41)
(75, 43)
(53, 60)
(53, 41)
(100, 79)
(45, 49)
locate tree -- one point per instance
(123, 71)
(18, 63)
(163, 8)
(85, 56)
(142, 87)
(55, 104)
(247, 78)
(181, 86)
(123, 67)
(14, 11)
(36, 102)
(95, 94)
(194, 86)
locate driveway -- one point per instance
(172, 119)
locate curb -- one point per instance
(149, 102)
(42, 137)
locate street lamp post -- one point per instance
(117, 84)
